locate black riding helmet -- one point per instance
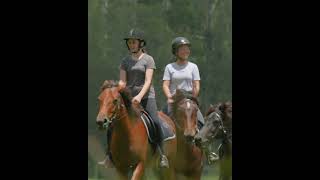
(136, 34)
(178, 42)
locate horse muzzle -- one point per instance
(197, 140)
(202, 143)
(190, 135)
(190, 139)
(102, 123)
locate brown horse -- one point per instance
(129, 145)
(189, 156)
(218, 125)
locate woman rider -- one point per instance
(136, 72)
(181, 74)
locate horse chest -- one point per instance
(189, 157)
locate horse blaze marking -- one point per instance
(188, 105)
(188, 113)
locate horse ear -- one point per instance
(121, 85)
(104, 85)
(228, 104)
(222, 107)
(116, 82)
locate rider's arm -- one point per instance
(166, 83)
(195, 81)
(196, 88)
(147, 82)
(123, 79)
(166, 90)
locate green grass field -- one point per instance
(209, 176)
(212, 177)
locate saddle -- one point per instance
(153, 131)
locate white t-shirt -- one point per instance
(181, 76)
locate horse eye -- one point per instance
(115, 101)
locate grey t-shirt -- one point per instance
(136, 71)
(181, 76)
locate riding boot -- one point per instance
(164, 163)
(211, 154)
(107, 163)
(212, 157)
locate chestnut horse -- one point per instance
(218, 125)
(189, 156)
(129, 145)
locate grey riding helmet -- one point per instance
(136, 34)
(178, 42)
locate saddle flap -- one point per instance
(150, 126)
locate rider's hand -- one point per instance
(136, 100)
(170, 100)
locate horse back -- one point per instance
(168, 120)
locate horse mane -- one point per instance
(108, 84)
(213, 108)
(126, 97)
(179, 96)
(182, 94)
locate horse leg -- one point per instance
(197, 176)
(171, 174)
(189, 176)
(122, 174)
(167, 173)
(225, 169)
(139, 171)
(180, 177)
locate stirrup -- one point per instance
(212, 157)
(164, 163)
(106, 163)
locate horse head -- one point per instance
(218, 124)
(110, 103)
(185, 109)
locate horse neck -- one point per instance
(228, 127)
(183, 145)
(125, 124)
(227, 145)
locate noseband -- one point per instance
(115, 112)
(221, 126)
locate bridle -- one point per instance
(115, 113)
(226, 137)
(221, 127)
(178, 126)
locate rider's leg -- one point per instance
(200, 119)
(150, 106)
